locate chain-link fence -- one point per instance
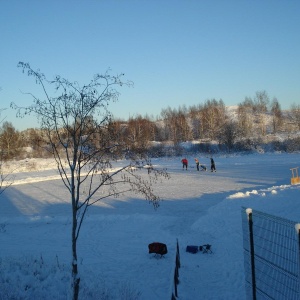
(271, 256)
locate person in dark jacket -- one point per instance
(197, 163)
(212, 165)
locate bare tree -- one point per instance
(277, 118)
(170, 124)
(176, 124)
(214, 117)
(245, 117)
(228, 134)
(140, 132)
(6, 178)
(34, 139)
(261, 102)
(295, 114)
(81, 133)
(183, 124)
(10, 140)
(196, 121)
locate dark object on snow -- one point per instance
(192, 249)
(158, 248)
(205, 248)
(212, 165)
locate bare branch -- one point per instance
(85, 144)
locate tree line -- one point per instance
(252, 120)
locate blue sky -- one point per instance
(177, 52)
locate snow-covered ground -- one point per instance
(197, 208)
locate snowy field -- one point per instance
(197, 208)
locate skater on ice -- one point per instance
(212, 165)
(197, 163)
(184, 163)
(203, 168)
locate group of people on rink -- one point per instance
(198, 165)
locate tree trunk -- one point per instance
(75, 276)
(76, 281)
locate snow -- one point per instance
(197, 208)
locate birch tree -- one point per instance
(245, 117)
(261, 102)
(10, 140)
(85, 145)
(295, 114)
(277, 118)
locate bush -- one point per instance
(28, 278)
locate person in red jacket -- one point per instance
(184, 163)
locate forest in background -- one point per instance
(256, 124)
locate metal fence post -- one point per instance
(251, 239)
(176, 272)
(178, 254)
(297, 227)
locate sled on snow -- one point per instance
(203, 168)
(194, 249)
(158, 249)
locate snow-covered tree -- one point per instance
(261, 101)
(85, 144)
(295, 114)
(10, 140)
(277, 118)
(6, 178)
